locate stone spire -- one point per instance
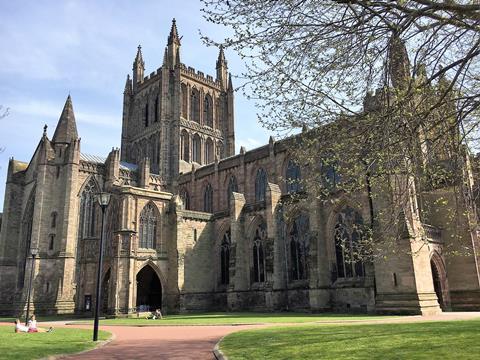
(128, 86)
(222, 68)
(66, 130)
(173, 37)
(138, 68)
(173, 46)
(398, 62)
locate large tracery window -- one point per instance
(88, 208)
(208, 151)
(348, 233)
(195, 106)
(184, 100)
(293, 178)
(259, 253)
(148, 227)
(208, 111)
(27, 224)
(232, 187)
(185, 146)
(196, 149)
(208, 199)
(260, 185)
(225, 259)
(299, 248)
(185, 199)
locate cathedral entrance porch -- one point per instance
(149, 290)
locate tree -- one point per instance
(315, 64)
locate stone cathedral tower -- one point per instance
(177, 117)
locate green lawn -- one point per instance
(40, 345)
(236, 318)
(432, 340)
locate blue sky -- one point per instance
(51, 48)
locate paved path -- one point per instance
(161, 342)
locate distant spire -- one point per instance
(165, 57)
(138, 68)
(221, 57)
(222, 69)
(128, 85)
(66, 129)
(173, 37)
(138, 59)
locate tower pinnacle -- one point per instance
(138, 68)
(66, 129)
(173, 37)
(173, 46)
(222, 68)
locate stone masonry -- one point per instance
(192, 226)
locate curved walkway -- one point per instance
(161, 342)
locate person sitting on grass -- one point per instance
(32, 326)
(156, 315)
(19, 327)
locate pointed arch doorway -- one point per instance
(149, 290)
(440, 284)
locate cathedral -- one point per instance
(192, 226)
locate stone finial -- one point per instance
(242, 150)
(45, 127)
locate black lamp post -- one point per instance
(103, 200)
(34, 253)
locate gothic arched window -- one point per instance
(232, 187)
(88, 209)
(259, 253)
(195, 106)
(348, 233)
(220, 150)
(185, 146)
(208, 151)
(197, 149)
(293, 178)
(208, 111)
(27, 224)
(330, 172)
(217, 113)
(260, 185)
(184, 100)
(146, 114)
(156, 109)
(53, 218)
(298, 248)
(208, 198)
(148, 227)
(225, 259)
(185, 199)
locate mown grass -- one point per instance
(429, 340)
(234, 319)
(40, 345)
